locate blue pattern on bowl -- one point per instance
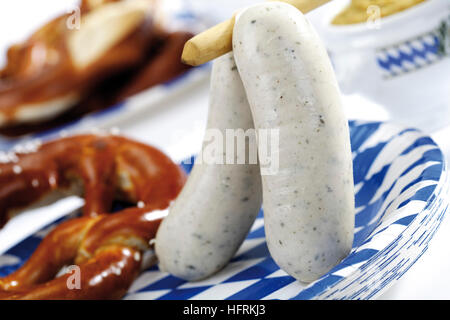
(401, 193)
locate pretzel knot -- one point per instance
(60, 73)
(107, 248)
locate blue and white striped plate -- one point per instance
(402, 193)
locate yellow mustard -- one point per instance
(360, 10)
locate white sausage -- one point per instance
(290, 85)
(215, 210)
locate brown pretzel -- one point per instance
(164, 66)
(161, 65)
(107, 248)
(89, 5)
(48, 74)
(106, 167)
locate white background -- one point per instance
(177, 128)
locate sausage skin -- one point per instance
(219, 203)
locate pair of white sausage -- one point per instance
(219, 203)
(309, 201)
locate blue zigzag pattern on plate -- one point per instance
(409, 56)
(401, 192)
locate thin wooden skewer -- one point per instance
(216, 41)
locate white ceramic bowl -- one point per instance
(404, 64)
